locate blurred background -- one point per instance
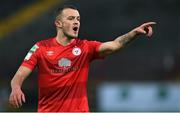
(144, 76)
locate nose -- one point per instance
(76, 21)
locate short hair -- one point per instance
(60, 9)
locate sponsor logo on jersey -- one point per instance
(64, 62)
(64, 70)
(32, 50)
(66, 66)
(76, 51)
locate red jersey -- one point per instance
(63, 73)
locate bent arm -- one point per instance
(17, 96)
(110, 47)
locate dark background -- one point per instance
(155, 59)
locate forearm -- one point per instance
(125, 39)
(110, 47)
(17, 80)
(19, 77)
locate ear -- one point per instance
(58, 23)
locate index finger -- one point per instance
(148, 23)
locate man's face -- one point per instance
(70, 22)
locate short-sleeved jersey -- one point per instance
(62, 73)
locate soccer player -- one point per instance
(63, 64)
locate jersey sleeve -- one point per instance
(30, 60)
(94, 49)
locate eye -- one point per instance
(70, 18)
(78, 18)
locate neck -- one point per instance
(63, 40)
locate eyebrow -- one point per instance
(73, 16)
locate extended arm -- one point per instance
(17, 96)
(110, 47)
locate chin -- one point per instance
(72, 36)
(76, 36)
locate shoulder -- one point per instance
(86, 41)
(46, 42)
(91, 42)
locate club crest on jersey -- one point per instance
(76, 51)
(64, 62)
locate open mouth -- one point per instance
(75, 28)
